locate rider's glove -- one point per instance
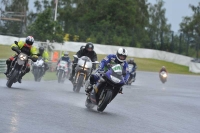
(100, 72)
(16, 49)
(34, 59)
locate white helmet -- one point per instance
(66, 54)
(121, 54)
(29, 40)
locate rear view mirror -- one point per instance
(96, 62)
(75, 56)
(16, 42)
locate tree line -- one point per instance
(133, 23)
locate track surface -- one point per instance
(148, 106)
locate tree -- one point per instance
(158, 29)
(43, 29)
(16, 9)
(191, 28)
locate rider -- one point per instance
(131, 61)
(163, 69)
(118, 58)
(66, 58)
(25, 47)
(87, 51)
(45, 56)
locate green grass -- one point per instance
(143, 64)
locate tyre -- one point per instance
(104, 101)
(12, 79)
(35, 74)
(80, 82)
(60, 74)
(39, 75)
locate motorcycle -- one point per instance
(82, 71)
(131, 75)
(62, 71)
(38, 69)
(106, 89)
(163, 76)
(17, 68)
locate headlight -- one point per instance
(165, 75)
(23, 57)
(114, 79)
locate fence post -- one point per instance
(3, 65)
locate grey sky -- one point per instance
(176, 9)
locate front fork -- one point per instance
(77, 76)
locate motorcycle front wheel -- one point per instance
(79, 83)
(12, 79)
(104, 101)
(60, 75)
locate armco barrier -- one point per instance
(2, 65)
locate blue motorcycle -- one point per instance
(132, 73)
(106, 89)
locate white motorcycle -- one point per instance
(38, 69)
(131, 75)
(62, 71)
(82, 71)
(163, 76)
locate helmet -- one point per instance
(163, 67)
(41, 50)
(82, 47)
(89, 46)
(66, 54)
(131, 60)
(121, 54)
(29, 40)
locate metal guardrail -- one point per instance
(3, 65)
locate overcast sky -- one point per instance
(175, 10)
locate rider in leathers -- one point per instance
(45, 56)
(131, 61)
(118, 58)
(87, 51)
(25, 47)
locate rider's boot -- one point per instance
(20, 78)
(89, 88)
(7, 71)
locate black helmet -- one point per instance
(89, 45)
(82, 47)
(41, 50)
(131, 60)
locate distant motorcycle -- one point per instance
(82, 71)
(38, 69)
(62, 71)
(131, 75)
(106, 89)
(163, 76)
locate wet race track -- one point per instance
(148, 106)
